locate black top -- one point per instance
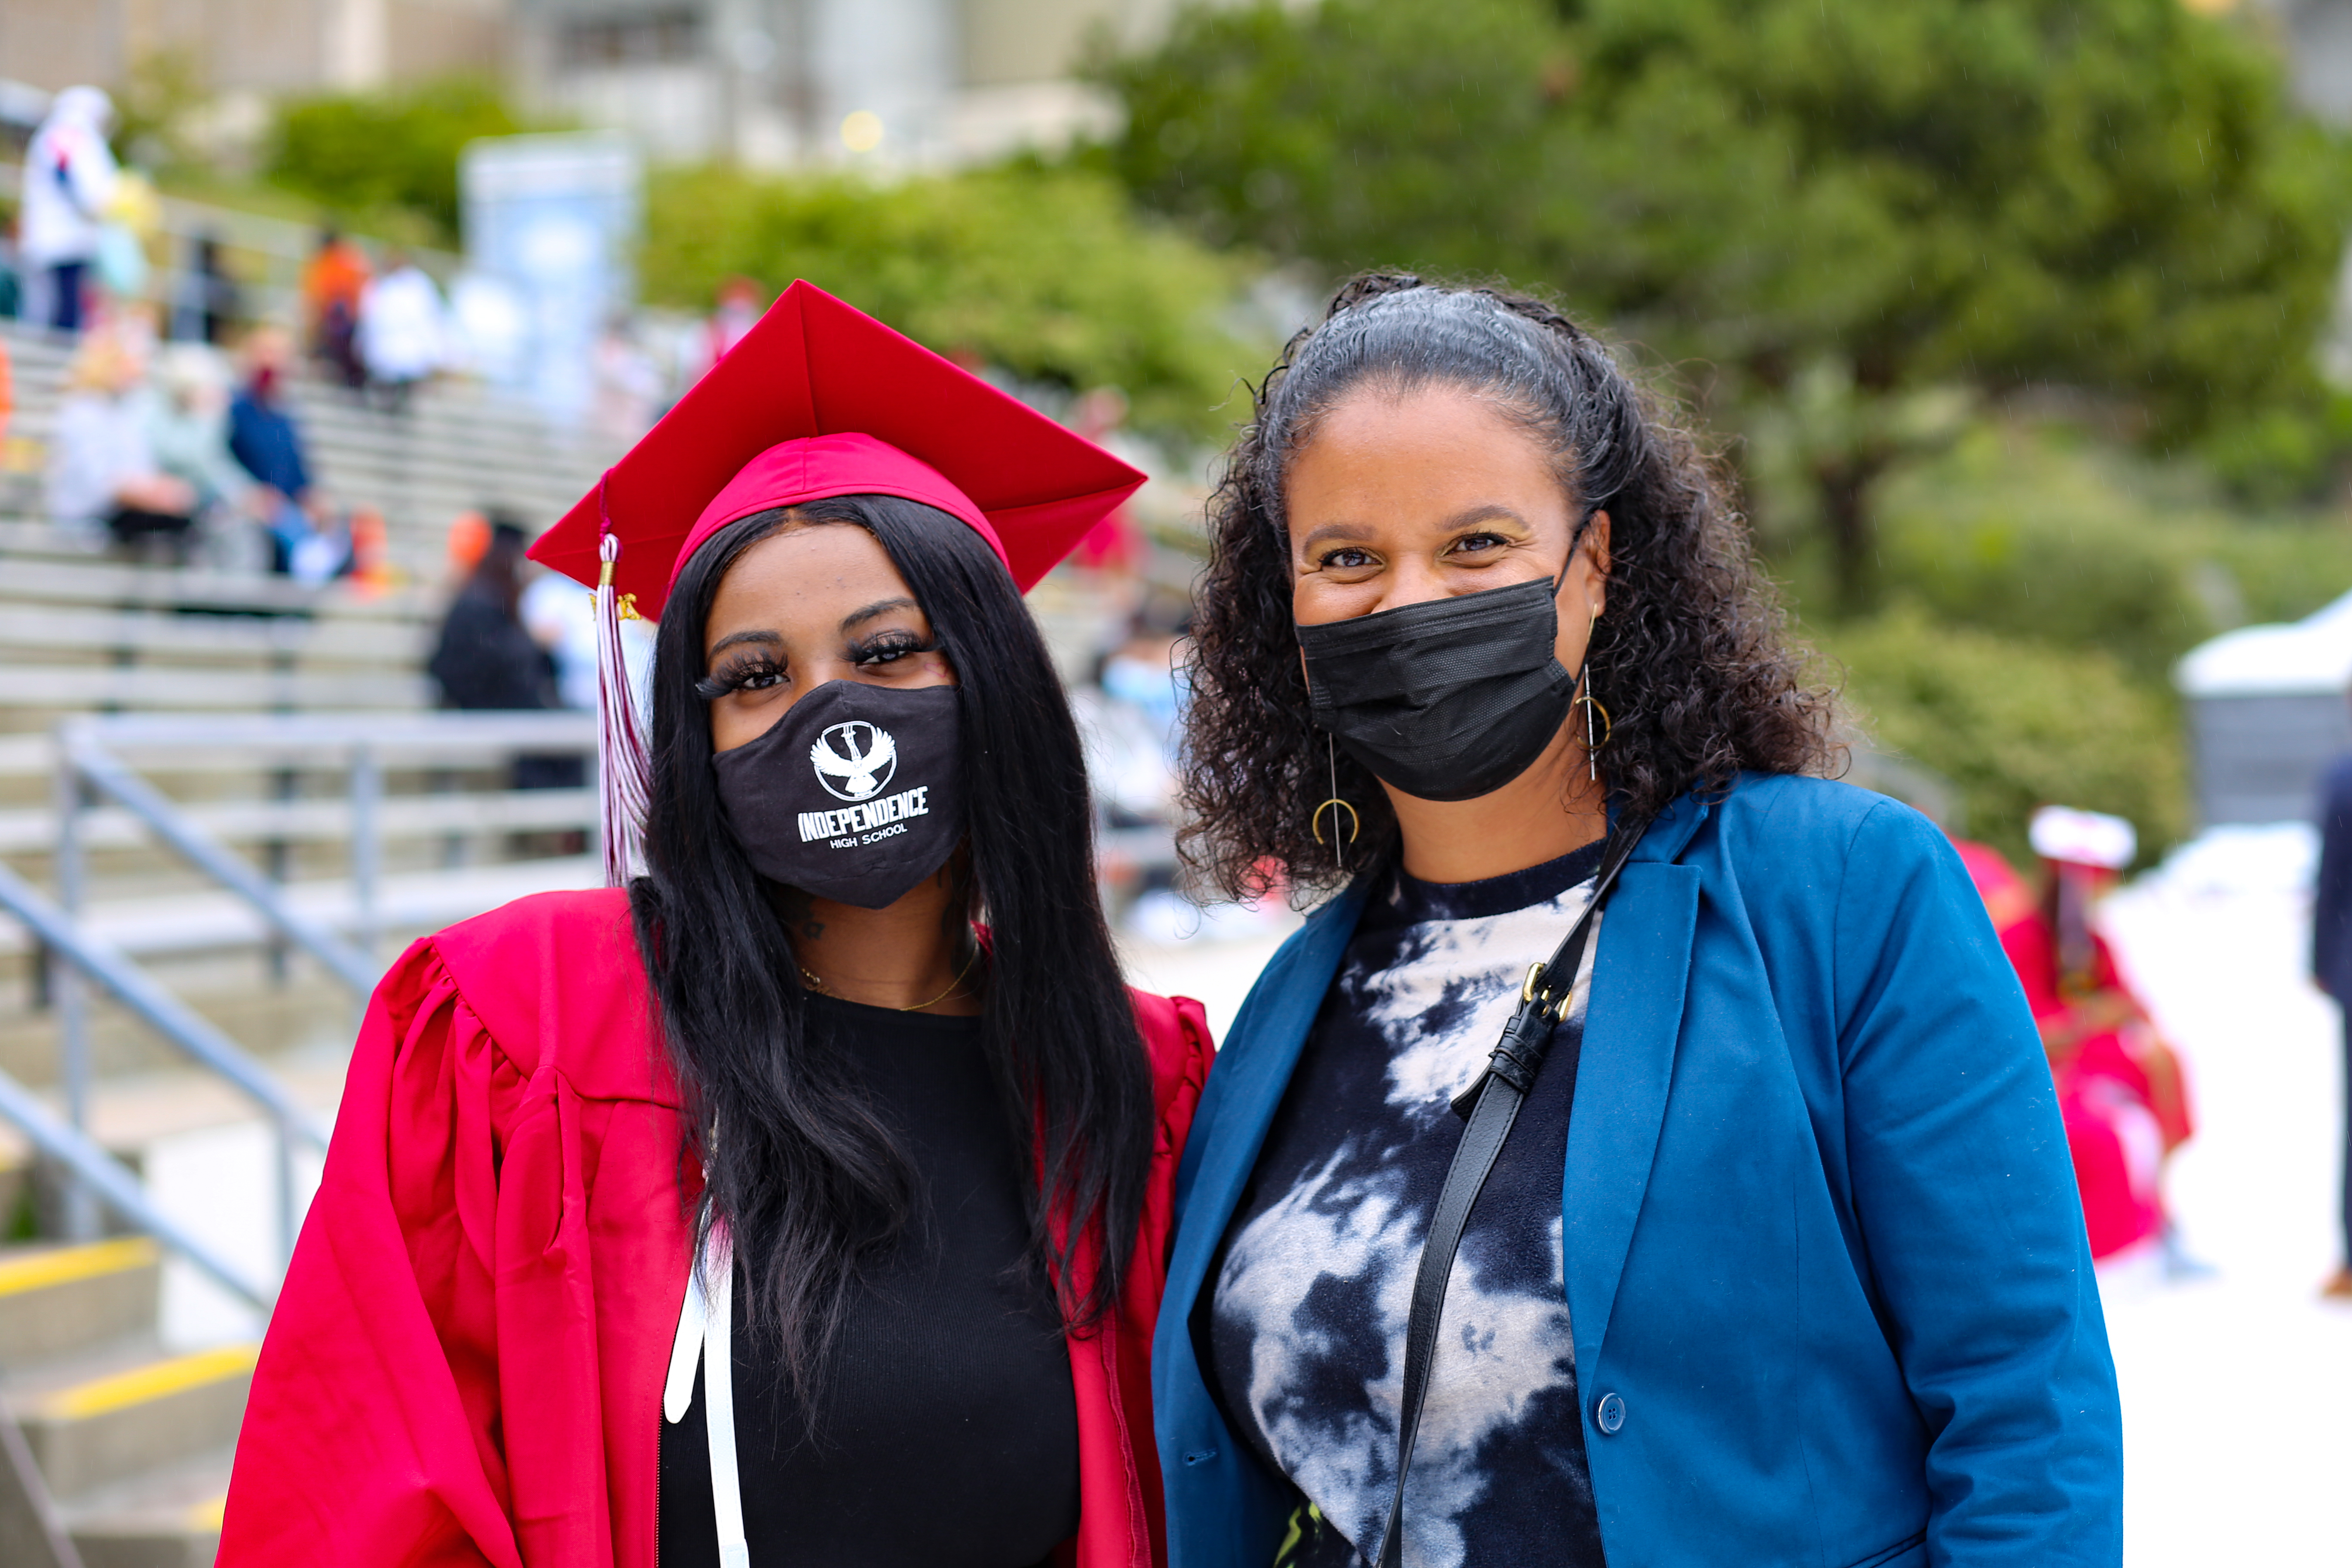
(1305, 1328)
(946, 1426)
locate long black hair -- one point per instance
(1692, 661)
(808, 1179)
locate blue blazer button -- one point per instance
(1610, 1413)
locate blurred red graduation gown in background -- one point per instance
(2120, 1097)
(465, 1363)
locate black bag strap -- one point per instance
(1491, 1105)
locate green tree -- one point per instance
(359, 153)
(1048, 274)
(1885, 199)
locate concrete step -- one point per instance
(165, 1518)
(417, 900)
(95, 1427)
(56, 1301)
(31, 689)
(174, 632)
(58, 581)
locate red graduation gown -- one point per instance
(465, 1363)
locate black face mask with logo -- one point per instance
(1447, 699)
(856, 794)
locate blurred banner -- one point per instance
(550, 224)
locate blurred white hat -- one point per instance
(2083, 837)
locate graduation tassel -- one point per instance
(623, 764)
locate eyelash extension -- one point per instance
(733, 675)
(899, 644)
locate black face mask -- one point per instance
(856, 794)
(1447, 699)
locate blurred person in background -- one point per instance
(69, 176)
(2331, 968)
(563, 620)
(404, 332)
(2122, 1093)
(739, 310)
(628, 383)
(209, 305)
(484, 657)
(12, 269)
(1128, 718)
(1481, 631)
(1116, 545)
(103, 473)
(187, 430)
(305, 542)
(333, 279)
(764, 1208)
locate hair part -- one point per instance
(1692, 660)
(810, 1181)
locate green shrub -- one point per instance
(2017, 532)
(354, 153)
(2016, 724)
(1047, 273)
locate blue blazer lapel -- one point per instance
(1627, 1063)
(1245, 1085)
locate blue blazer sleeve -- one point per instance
(1971, 1225)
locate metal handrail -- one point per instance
(118, 1187)
(216, 861)
(169, 1016)
(87, 762)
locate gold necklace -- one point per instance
(817, 983)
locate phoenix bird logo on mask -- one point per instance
(854, 759)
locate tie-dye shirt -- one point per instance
(1308, 1326)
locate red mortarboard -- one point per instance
(816, 400)
(820, 400)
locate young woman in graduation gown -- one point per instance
(1769, 1253)
(807, 1199)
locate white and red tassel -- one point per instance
(624, 760)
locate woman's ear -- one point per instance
(1596, 550)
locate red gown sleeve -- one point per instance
(372, 1432)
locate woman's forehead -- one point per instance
(808, 577)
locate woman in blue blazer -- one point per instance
(1781, 1261)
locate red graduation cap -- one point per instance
(820, 399)
(817, 400)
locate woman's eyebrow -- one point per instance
(1489, 512)
(879, 608)
(1353, 531)
(772, 639)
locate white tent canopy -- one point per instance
(2309, 656)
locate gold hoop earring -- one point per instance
(1355, 822)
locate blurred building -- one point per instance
(2266, 713)
(783, 82)
(768, 82)
(252, 46)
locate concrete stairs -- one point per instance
(130, 1444)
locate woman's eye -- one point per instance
(1477, 545)
(1348, 558)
